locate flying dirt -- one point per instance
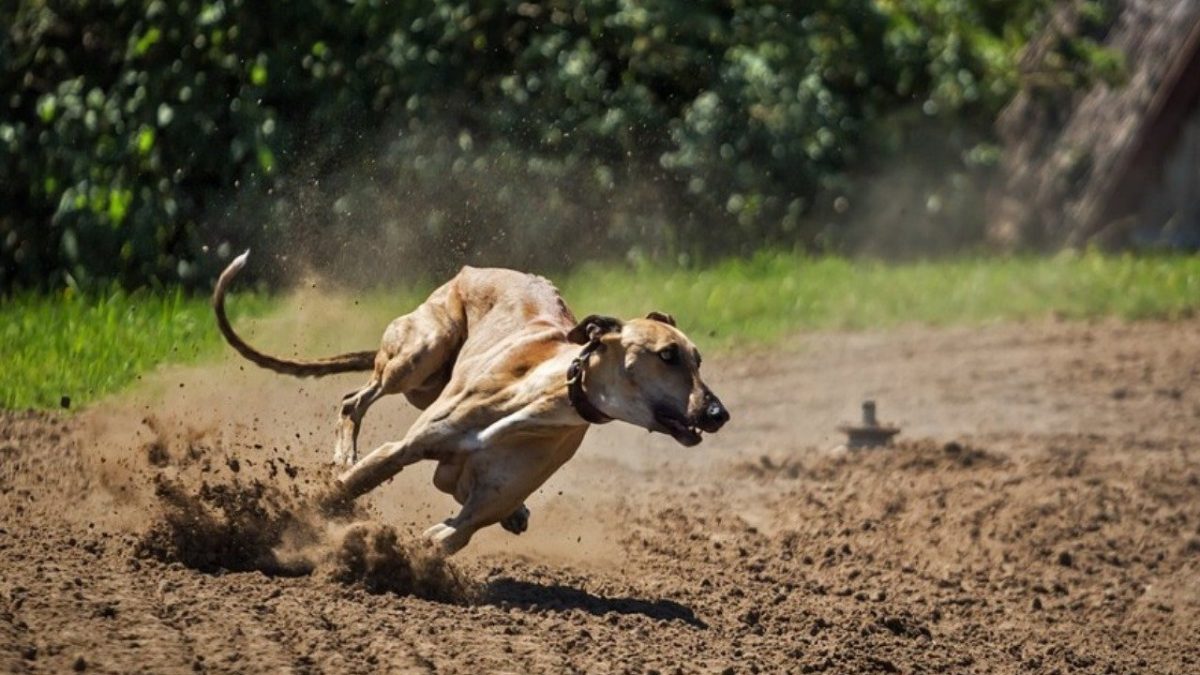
(1040, 512)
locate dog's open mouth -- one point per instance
(679, 428)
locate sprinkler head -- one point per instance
(869, 433)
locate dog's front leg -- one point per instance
(390, 458)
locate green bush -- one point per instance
(141, 139)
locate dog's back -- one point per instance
(500, 302)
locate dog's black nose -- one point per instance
(718, 413)
(715, 414)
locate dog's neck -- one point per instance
(602, 384)
(606, 387)
(577, 377)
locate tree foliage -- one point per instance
(139, 138)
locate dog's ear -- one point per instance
(592, 327)
(659, 316)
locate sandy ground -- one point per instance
(1041, 513)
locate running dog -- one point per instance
(508, 382)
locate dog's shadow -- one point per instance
(507, 592)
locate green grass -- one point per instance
(771, 295)
(85, 347)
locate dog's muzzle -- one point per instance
(713, 416)
(686, 430)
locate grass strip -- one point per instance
(86, 347)
(83, 347)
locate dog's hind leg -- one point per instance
(446, 478)
(517, 521)
(414, 358)
(482, 508)
(354, 406)
(487, 504)
(494, 493)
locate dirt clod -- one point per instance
(378, 559)
(235, 526)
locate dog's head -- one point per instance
(648, 374)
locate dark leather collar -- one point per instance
(575, 376)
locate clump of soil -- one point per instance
(255, 526)
(235, 515)
(376, 558)
(235, 527)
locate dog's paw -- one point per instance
(333, 502)
(438, 532)
(343, 458)
(446, 539)
(517, 521)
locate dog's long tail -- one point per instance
(343, 363)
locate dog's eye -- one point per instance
(669, 355)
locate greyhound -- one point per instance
(508, 382)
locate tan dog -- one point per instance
(493, 358)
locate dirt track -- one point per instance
(1043, 515)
